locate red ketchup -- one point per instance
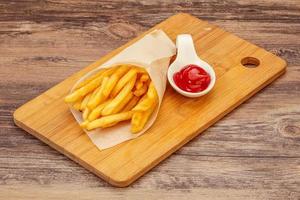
(192, 78)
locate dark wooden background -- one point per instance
(253, 153)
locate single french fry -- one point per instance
(133, 101)
(99, 96)
(105, 72)
(139, 119)
(85, 101)
(144, 78)
(144, 104)
(81, 92)
(152, 91)
(114, 79)
(85, 113)
(116, 104)
(96, 113)
(141, 91)
(121, 83)
(107, 120)
(136, 121)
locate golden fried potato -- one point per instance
(121, 83)
(144, 104)
(99, 96)
(133, 101)
(85, 101)
(113, 80)
(120, 100)
(147, 100)
(152, 91)
(95, 92)
(138, 85)
(85, 113)
(144, 78)
(108, 120)
(123, 103)
(81, 92)
(113, 95)
(136, 121)
(95, 113)
(102, 72)
(139, 119)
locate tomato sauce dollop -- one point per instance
(192, 78)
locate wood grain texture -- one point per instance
(179, 120)
(43, 42)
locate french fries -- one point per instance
(99, 96)
(102, 73)
(85, 101)
(113, 79)
(84, 90)
(96, 113)
(108, 120)
(116, 104)
(148, 100)
(133, 101)
(113, 95)
(139, 84)
(85, 113)
(144, 78)
(126, 78)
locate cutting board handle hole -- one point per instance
(250, 62)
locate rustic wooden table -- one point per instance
(253, 153)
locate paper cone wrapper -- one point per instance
(153, 53)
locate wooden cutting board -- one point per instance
(180, 119)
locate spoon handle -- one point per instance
(186, 52)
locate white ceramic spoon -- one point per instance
(186, 55)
